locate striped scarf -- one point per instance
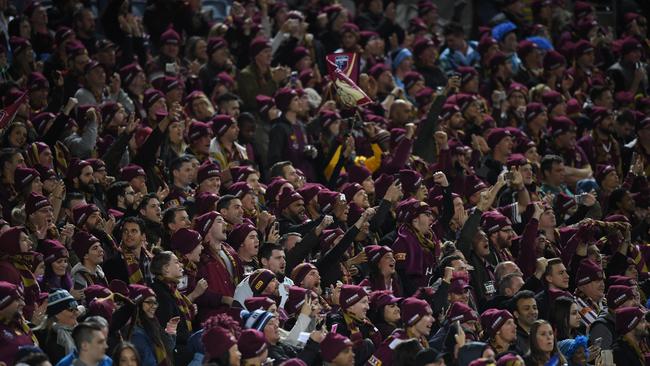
(161, 354)
(133, 264)
(356, 336)
(21, 327)
(184, 304)
(427, 241)
(423, 340)
(23, 262)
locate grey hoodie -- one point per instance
(78, 277)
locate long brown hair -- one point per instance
(536, 354)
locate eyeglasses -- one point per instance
(151, 302)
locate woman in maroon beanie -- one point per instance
(154, 344)
(385, 312)
(352, 321)
(57, 271)
(16, 265)
(187, 246)
(168, 272)
(382, 275)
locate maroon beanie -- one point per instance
(376, 252)
(273, 189)
(80, 213)
(205, 202)
(300, 272)
(496, 135)
(258, 302)
(264, 103)
(258, 45)
(81, 243)
(198, 130)
(132, 171)
(10, 240)
(561, 124)
(95, 291)
(350, 190)
(411, 180)
(413, 310)
(251, 343)
(260, 279)
(8, 294)
(52, 251)
(203, 223)
(588, 271)
(139, 292)
(459, 311)
(327, 199)
(295, 299)
(24, 176)
(333, 344)
(493, 221)
(618, 294)
(35, 202)
(239, 233)
(350, 295)
(283, 98)
(221, 123)
(207, 170)
(627, 319)
(170, 36)
(309, 191)
(129, 72)
(217, 341)
(151, 96)
(287, 197)
(240, 173)
(493, 319)
(358, 173)
(184, 241)
(239, 189)
(215, 43)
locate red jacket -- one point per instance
(10, 274)
(12, 338)
(220, 281)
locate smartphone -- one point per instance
(276, 225)
(175, 319)
(509, 176)
(170, 68)
(294, 79)
(580, 199)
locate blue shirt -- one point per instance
(450, 60)
(69, 359)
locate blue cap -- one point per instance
(499, 32)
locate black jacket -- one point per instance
(364, 349)
(603, 327)
(282, 352)
(625, 354)
(168, 309)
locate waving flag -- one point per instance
(343, 68)
(7, 115)
(348, 63)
